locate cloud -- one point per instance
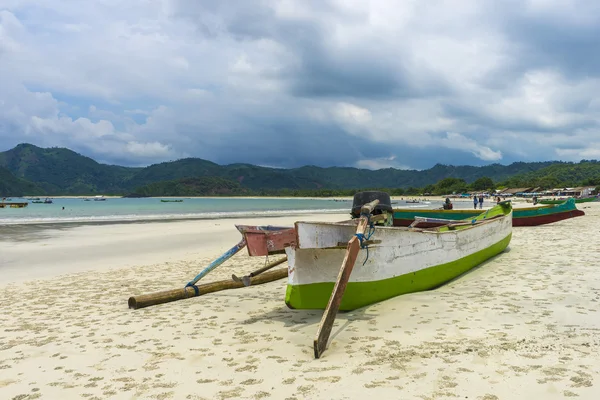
(288, 83)
(457, 141)
(380, 163)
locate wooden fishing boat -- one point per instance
(562, 200)
(400, 260)
(321, 258)
(530, 216)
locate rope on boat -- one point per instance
(362, 238)
(196, 290)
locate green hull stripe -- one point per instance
(586, 200)
(360, 294)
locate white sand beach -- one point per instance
(524, 325)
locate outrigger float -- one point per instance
(392, 260)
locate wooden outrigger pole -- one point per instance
(146, 300)
(354, 245)
(193, 290)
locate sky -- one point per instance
(280, 83)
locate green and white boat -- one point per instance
(401, 260)
(393, 261)
(562, 200)
(354, 263)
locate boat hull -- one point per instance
(560, 201)
(404, 261)
(521, 216)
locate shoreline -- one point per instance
(117, 219)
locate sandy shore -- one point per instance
(524, 325)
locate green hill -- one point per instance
(63, 171)
(556, 175)
(201, 186)
(11, 186)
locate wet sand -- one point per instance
(524, 325)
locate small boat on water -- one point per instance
(13, 205)
(529, 216)
(562, 200)
(47, 201)
(171, 201)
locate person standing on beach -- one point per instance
(475, 201)
(480, 201)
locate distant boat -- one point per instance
(47, 201)
(171, 201)
(562, 200)
(530, 216)
(99, 198)
(13, 205)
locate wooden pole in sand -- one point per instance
(146, 300)
(320, 342)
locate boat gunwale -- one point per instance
(433, 230)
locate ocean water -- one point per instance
(152, 209)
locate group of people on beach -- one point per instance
(478, 200)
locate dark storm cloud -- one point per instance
(570, 43)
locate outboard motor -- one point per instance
(362, 198)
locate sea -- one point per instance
(77, 210)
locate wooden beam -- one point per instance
(320, 342)
(151, 299)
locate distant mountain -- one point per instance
(11, 186)
(585, 172)
(62, 171)
(202, 186)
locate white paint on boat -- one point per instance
(400, 252)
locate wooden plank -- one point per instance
(320, 342)
(368, 208)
